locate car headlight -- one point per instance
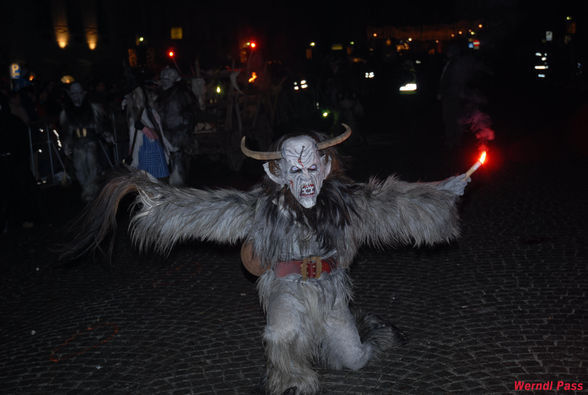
(408, 87)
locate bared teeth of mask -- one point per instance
(307, 190)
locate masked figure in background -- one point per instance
(301, 229)
(85, 127)
(176, 105)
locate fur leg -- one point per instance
(177, 175)
(289, 349)
(343, 348)
(350, 345)
(86, 169)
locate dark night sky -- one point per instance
(26, 31)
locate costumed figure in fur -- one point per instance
(176, 105)
(85, 128)
(301, 229)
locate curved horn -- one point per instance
(259, 155)
(335, 140)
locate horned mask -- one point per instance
(301, 165)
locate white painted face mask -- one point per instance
(302, 169)
(168, 77)
(301, 166)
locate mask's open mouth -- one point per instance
(307, 190)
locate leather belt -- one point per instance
(311, 267)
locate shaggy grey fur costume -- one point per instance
(83, 124)
(175, 103)
(308, 321)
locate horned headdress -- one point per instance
(276, 155)
(301, 165)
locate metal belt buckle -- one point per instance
(83, 132)
(311, 267)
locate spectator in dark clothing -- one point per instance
(461, 100)
(17, 206)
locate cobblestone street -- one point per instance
(505, 303)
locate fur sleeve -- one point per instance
(394, 212)
(103, 125)
(168, 215)
(163, 216)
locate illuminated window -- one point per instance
(62, 36)
(92, 42)
(91, 35)
(176, 33)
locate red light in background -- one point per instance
(253, 45)
(171, 53)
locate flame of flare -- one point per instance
(482, 157)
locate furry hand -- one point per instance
(455, 184)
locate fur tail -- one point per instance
(97, 222)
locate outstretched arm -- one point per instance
(394, 212)
(168, 215)
(164, 215)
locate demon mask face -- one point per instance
(168, 77)
(76, 94)
(301, 166)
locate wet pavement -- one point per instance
(504, 304)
